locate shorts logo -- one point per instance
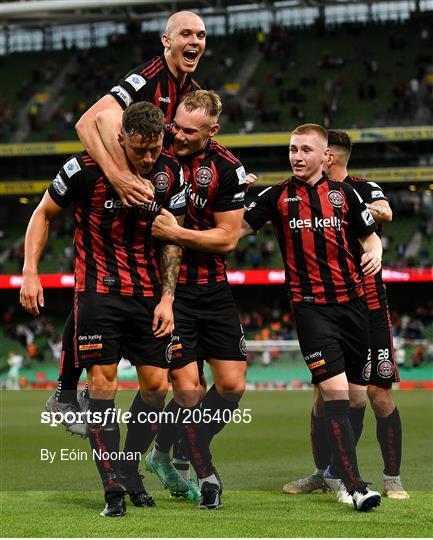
(136, 81)
(171, 348)
(243, 346)
(376, 194)
(366, 372)
(59, 185)
(90, 346)
(385, 369)
(317, 364)
(161, 181)
(204, 176)
(335, 198)
(71, 167)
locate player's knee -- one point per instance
(231, 389)
(381, 400)
(102, 386)
(154, 391)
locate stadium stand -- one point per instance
(333, 76)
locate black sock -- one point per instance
(104, 438)
(356, 417)
(140, 431)
(69, 374)
(217, 406)
(195, 441)
(342, 443)
(319, 441)
(389, 435)
(167, 433)
(178, 450)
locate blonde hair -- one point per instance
(305, 129)
(206, 100)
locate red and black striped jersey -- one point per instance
(215, 182)
(153, 82)
(375, 290)
(315, 227)
(114, 250)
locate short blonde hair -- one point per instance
(206, 100)
(312, 128)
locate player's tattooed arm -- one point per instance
(171, 257)
(381, 211)
(163, 319)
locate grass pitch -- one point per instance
(63, 499)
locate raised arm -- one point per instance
(130, 188)
(221, 239)
(371, 259)
(31, 293)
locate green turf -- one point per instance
(254, 461)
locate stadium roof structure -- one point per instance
(34, 13)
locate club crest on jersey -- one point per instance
(385, 369)
(161, 181)
(204, 176)
(366, 372)
(335, 198)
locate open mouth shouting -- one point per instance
(190, 56)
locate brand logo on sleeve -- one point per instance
(123, 94)
(136, 81)
(59, 185)
(71, 167)
(367, 217)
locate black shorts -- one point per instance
(334, 339)
(109, 326)
(206, 316)
(384, 369)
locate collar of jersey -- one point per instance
(199, 152)
(299, 182)
(170, 74)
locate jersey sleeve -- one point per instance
(370, 192)
(69, 180)
(359, 217)
(176, 202)
(231, 193)
(261, 210)
(133, 88)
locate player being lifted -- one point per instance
(316, 221)
(382, 370)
